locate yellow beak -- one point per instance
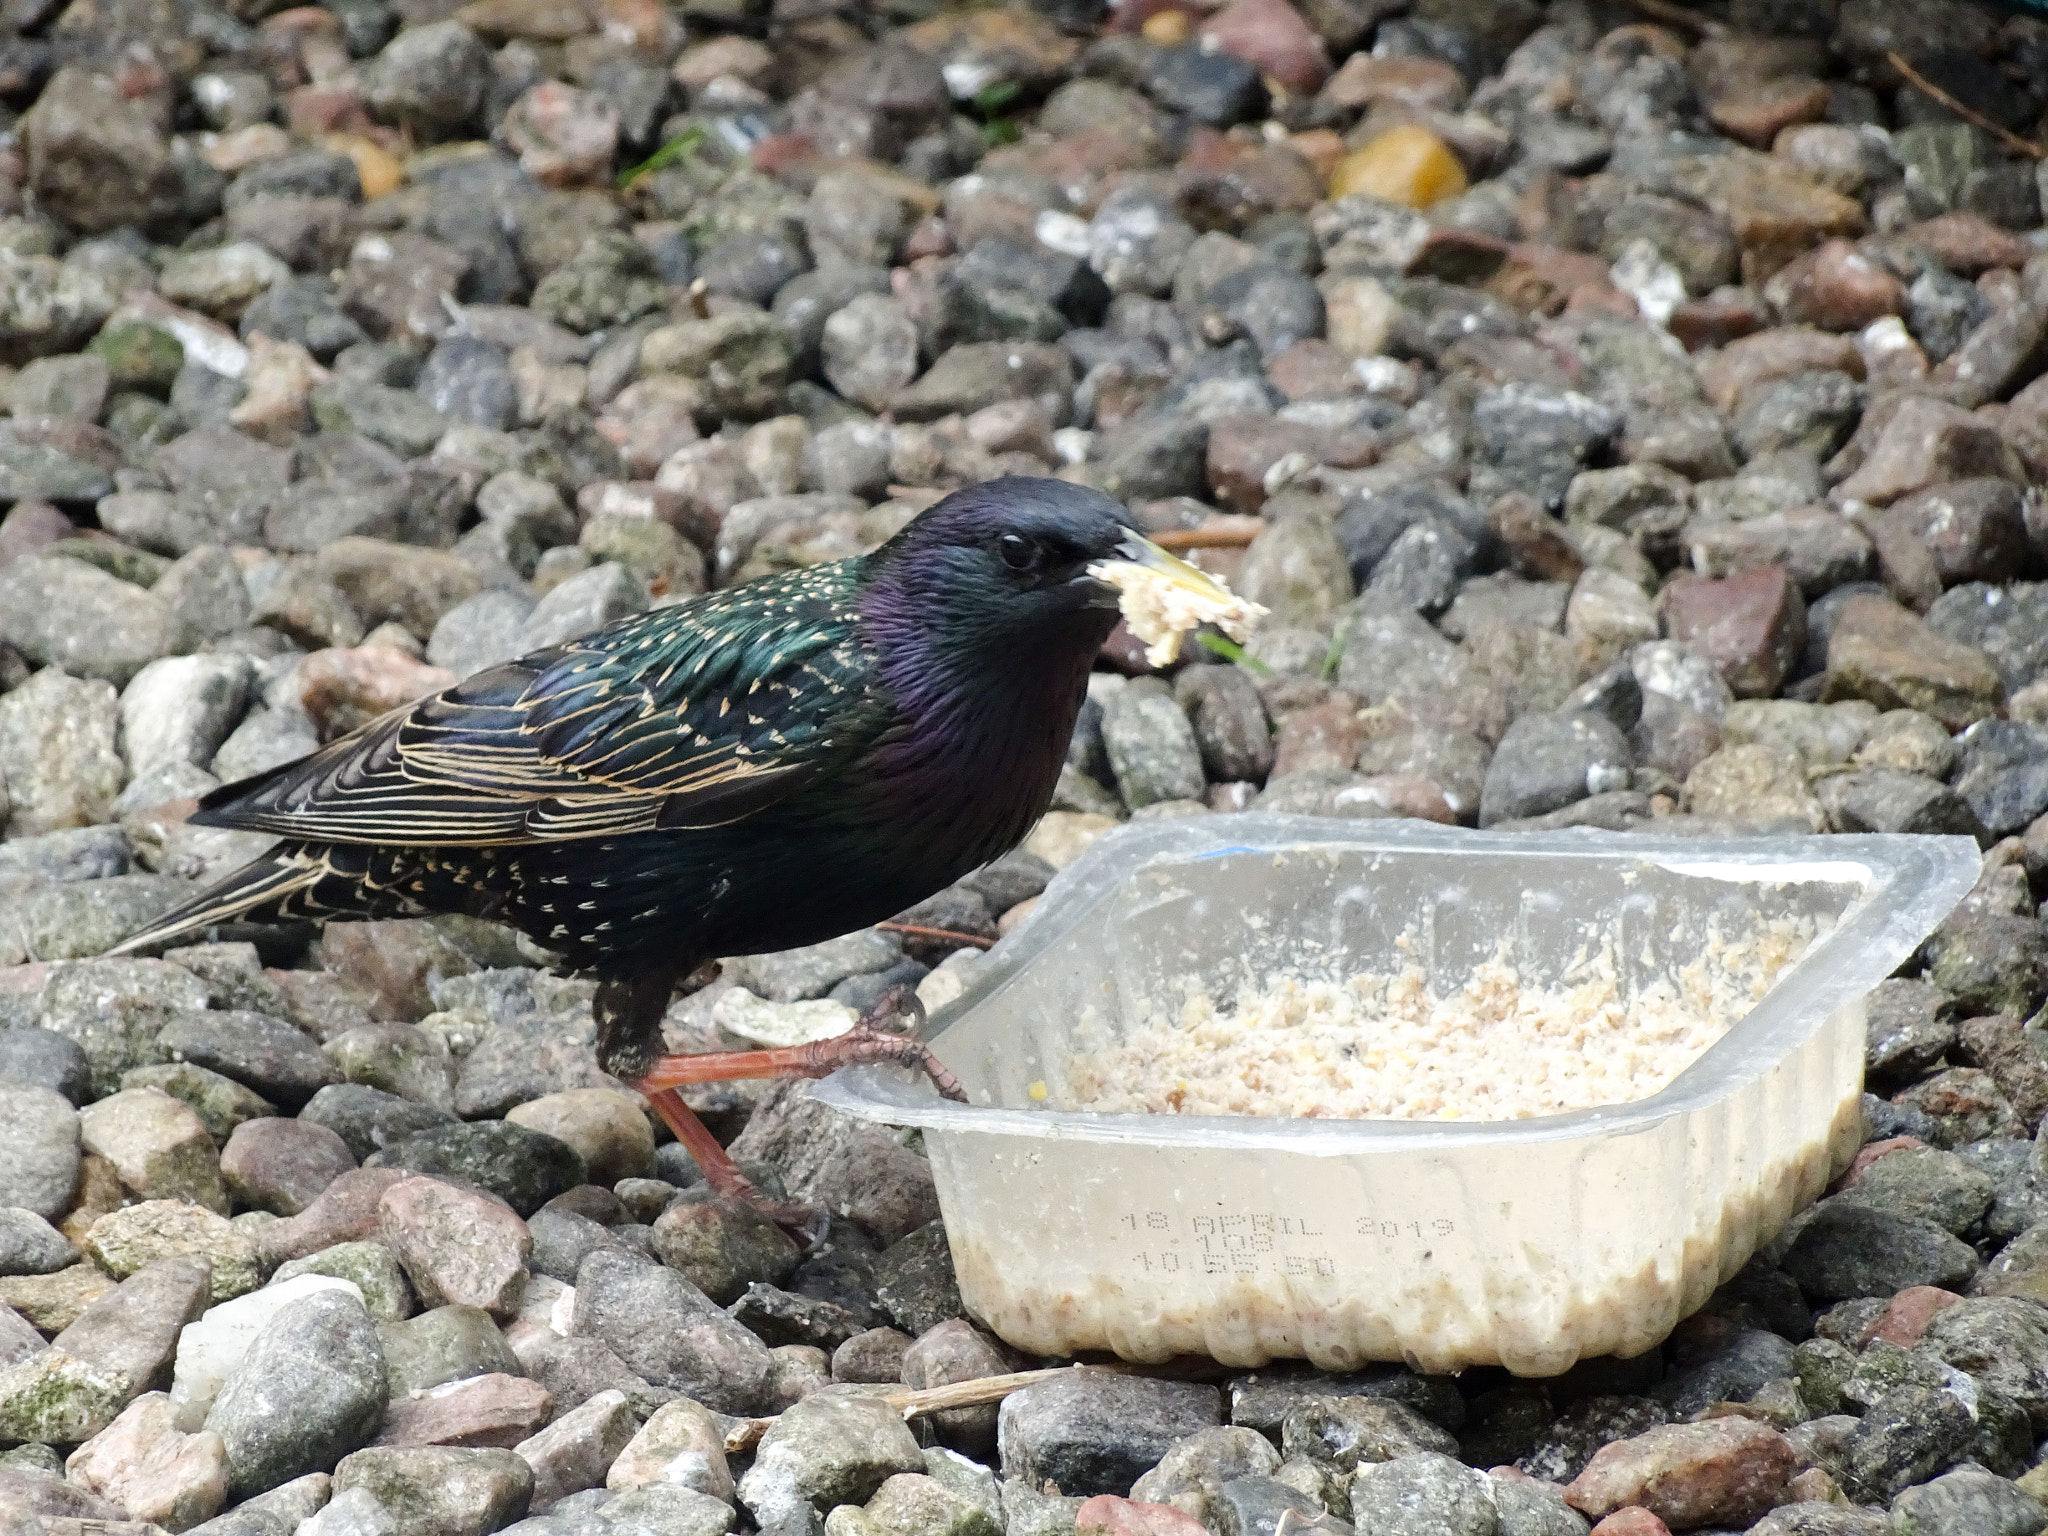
(1140, 551)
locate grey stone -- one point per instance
(1152, 748)
(721, 1245)
(1350, 1431)
(1546, 761)
(273, 1057)
(440, 1345)
(115, 1009)
(2003, 774)
(583, 603)
(32, 1057)
(1562, 1452)
(835, 1447)
(29, 1245)
(1893, 800)
(523, 1168)
(280, 1165)
(1423, 1494)
(1845, 1249)
(397, 418)
(870, 350)
(574, 1452)
(311, 1389)
(1928, 1184)
(669, 1332)
(439, 1490)
(1535, 440)
(1967, 1500)
(467, 380)
(368, 1119)
(480, 632)
(433, 76)
(1097, 1433)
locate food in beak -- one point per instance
(1164, 598)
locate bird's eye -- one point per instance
(1019, 553)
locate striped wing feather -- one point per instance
(690, 716)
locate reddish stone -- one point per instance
(928, 237)
(1971, 530)
(1922, 442)
(1108, 1515)
(1752, 625)
(1631, 1520)
(313, 111)
(1871, 1153)
(492, 1409)
(1399, 794)
(1314, 370)
(1880, 652)
(1243, 448)
(1458, 255)
(344, 688)
(1542, 279)
(1967, 244)
(1757, 114)
(1272, 35)
(1724, 1472)
(1535, 541)
(1775, 354)
(1906, 1315)
(30, 526)
(1904, 565)
(1725, 315)
(1325, 735)
(563, 137)
(1997, 1044)
(346, 1212)
(741, 58)
(778, 152)
(1837, 288)
(1366, 81)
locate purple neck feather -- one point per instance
(987, 714)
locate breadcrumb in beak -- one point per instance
(1159, 610)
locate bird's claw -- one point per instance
(806, 1223)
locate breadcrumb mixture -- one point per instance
(1385, 1047)
(1159, 610)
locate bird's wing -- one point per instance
(692, 716)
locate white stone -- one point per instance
(739, 1012)
(181, 708)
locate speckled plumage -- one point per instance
(758, 768)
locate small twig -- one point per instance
(1207, 538)
(943, 935)
(1679, 16)
(745, 1434)
(1970, 115)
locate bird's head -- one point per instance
(1007, 564)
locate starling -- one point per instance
(762, 767)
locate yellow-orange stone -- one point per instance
(1168, 29)
(376, 166)
(1408, 165)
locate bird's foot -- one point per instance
(862, 1045)
(806, 1223)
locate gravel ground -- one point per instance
(1670, 470)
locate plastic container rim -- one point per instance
(1924, 877)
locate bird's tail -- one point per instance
(261, 888)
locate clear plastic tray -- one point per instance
(1527, 1243)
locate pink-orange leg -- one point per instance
(864, 1044)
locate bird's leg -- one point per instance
(629, 1013)
(865, 1043)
